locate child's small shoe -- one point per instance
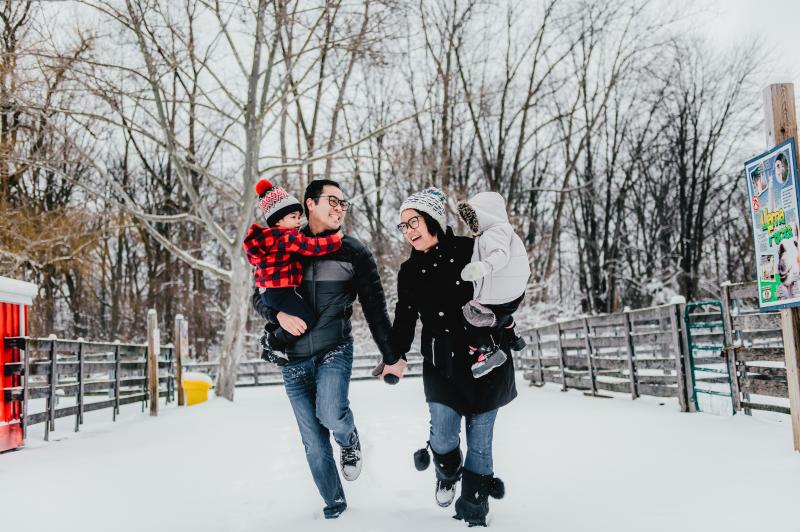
(515, 342)
(518, 343)
(269, 351)
(489, 357)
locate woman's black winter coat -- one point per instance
(429, 287)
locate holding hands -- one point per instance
(390, 374)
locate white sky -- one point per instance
(774, 22)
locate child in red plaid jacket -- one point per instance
(273, 251)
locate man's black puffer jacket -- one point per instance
(330, 285)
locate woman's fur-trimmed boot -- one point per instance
(473, 504)
(448, 473)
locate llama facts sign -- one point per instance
(773, 191)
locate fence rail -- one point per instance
(256, 372)
(645, 352)
(90, 375)
(639, 352)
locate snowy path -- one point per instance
(570, 463)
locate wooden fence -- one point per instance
(645, 352)
(639, 352)
(69, 377)
(754, 345)
(256, 372)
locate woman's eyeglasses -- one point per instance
(412, 223)
(334, 202)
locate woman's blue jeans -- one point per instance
(445, 430)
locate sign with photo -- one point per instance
(773, 191)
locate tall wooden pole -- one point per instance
(781, 124)
(153, 348)
(181, 350)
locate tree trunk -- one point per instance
(235, 327)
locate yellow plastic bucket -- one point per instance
(196, 386)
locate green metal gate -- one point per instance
(699, 324)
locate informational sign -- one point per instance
(773, 196)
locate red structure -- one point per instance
(15, 297)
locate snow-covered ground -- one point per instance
(570, 463)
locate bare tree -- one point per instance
(211, 105)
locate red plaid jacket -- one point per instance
(271, 249)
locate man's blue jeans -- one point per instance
(317, 388)
(445, 430)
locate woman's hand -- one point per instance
(474, 271)
(291, 324)
(393, 373)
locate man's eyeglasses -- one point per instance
(333, 201)
(412, 223)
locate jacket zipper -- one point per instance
(313, 302)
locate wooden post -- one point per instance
(540, 356)
(790, 323)
(688, 376)
(590, 364)
(680, 367)
(181, 343)
(153, 349)
(728, 349)
(79, 413)
(25, 392)
(117, 380)
(631, 356)
(561, 361)
(781, 125)
(51, 401)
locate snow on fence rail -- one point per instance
(640, 352)
(69, 377)
(256, 372)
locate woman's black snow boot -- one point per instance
(473, 504)
(448, 473)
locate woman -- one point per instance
(429, 287)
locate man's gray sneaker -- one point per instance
(351, 459)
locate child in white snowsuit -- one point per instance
(500, 272)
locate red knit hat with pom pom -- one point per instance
(275, 202)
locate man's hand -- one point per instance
(291, 324)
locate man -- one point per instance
(317, 376)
